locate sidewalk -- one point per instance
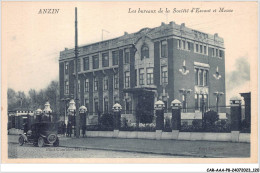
(165, 147)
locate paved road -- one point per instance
(141, 148)
(29, 151)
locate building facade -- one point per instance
(167, 62)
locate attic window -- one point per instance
(144, 52)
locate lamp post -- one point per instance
(218, 95)
(185, 92)
(38, 113)
(76, 72)
(71, 112)
(47, 110)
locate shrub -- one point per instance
(210, 118)
(107, 120)
(196, 125)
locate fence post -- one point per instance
(117, 118)
(176, 118)
(235, 112)
(159, 110)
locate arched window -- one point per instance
(144, 52)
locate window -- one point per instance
(105, 83)
(95, 84)
(179, 44)
(105, 105)
(164, 49)
(213, 52)
(105, 60)
(127, 56)
(189, 45)
(221, 53)
(196, 77)
(217, 52)
(144, 52)
(205, 77)
(127, 79)
(128, 106)
(86, 63)
(206, 102)
(197, 48)
(66, 87)
(66, 68)
(201, 49)
(87, 104)
(164, 75)
(95, 62)
(201, 77)
(205, 50)
(116, 83)
(115, 57)
(201, 101)
(141, 76)
(183, 44)
(149, 76)
(96, 105)
(86, 85)
(196, 102)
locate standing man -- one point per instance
(64, 129)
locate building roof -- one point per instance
(164, 30)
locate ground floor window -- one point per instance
(96, 105)
(201, 102)
(105, 105)
(128, 106)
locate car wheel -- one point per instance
(21, 140)
(56, 143)
(40, 142)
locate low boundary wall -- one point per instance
(234, 136)
(192, 136)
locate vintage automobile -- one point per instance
(40, 134)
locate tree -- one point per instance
(210, 118)
(35, 99)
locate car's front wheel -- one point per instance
(21, 140)
(40, 142)
(56, 143)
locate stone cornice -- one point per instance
(165, 30)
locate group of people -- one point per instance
(67, 129)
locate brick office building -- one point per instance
(167, 62)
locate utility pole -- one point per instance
(76, 72)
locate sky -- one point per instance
(32, 42)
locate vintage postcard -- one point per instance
(129, 82)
